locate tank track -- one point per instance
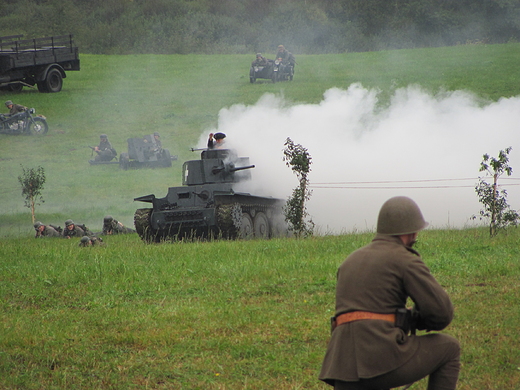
(142, 225)
(229, 220)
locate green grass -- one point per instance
(215, 315)
(180, 96)
(227, 315)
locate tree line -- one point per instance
(249, 26)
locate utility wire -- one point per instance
(370, 184)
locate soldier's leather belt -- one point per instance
(363, 315)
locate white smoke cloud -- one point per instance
(417, 141)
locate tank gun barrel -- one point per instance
(217, 170)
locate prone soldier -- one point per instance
(74, 230)
(90, 241)
(45, 230)
(113, 226)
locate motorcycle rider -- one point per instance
(286, 56)
(14, 108)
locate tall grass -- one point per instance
(226, 315)
(214, 315)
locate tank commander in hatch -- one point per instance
(373, 343)
(45, 230)
(105, 151)
(216, 141)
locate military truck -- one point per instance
(41, 62)
(207, 206)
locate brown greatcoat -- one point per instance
(379, 278)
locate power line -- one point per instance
(373, 184)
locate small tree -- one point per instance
(32, 180)
(496, 208)
(299, 160)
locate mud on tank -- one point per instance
(206, 205)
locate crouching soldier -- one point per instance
(91, 241)
(45, 230)
(73, 230)
(113, 226)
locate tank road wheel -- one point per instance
(38, 126)
(261, 225)
(142, 225)
(229, 220)
(246, 227)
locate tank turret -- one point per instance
(207, 206)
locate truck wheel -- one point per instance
(38, 126)
(16, 87)
(53, 82)
(42, 87)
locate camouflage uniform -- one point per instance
(113, 226)
(75, 231)
(90, 241)
(45, 231)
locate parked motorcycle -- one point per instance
(25, 122)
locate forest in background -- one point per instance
(248, 26)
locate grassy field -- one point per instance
(227, 315)
(181, 96)
(215, 315)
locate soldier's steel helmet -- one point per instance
(8, 103)
(85, 239)
(69, 222)
(108, 218)
(103, 136)
(400, 215)
(157, 134)
(219, 136)
(37, 224)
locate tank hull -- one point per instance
(229, 216)
(207, 207)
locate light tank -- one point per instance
(206, 206)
